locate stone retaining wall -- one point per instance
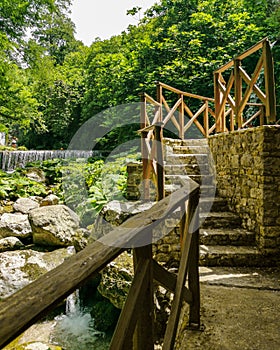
(247, 167)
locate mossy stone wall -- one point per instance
(248, 176)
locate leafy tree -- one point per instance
(20, 105)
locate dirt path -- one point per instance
(246, 317)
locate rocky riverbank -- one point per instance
(36, 235)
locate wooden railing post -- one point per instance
(189, 238)
(159, 158)
(217, 95)
(193, 264)
(206, 118)
(269, 83)
(182, 119)
(238, 93)
(159, 100)
(144, 151)
(144, 335)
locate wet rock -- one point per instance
(105, 315)
(10, 243)
(25, 205)
(54, 225)
(19, 268)
(16, 225)
(51, 199)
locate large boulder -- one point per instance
(19, 268)
(54, 225)
(15, 225)
(114, 213)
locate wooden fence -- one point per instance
(224, 112)
(244, 86)
(135, 326)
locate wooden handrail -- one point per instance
(229, 105)
(245, 54)
(184, 93)
(27, 306)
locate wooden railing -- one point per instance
(135, 326)
(231, 99)
(243, 87)
(223, 113)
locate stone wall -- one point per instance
(247, 168)
(134, 179)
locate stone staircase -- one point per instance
(223, 241)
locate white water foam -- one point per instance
(75, 329)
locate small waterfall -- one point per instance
(10, 160)
(74, 330)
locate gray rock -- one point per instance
(15, 225)
(24, 205)
(36, 174)
(81, 239)
(19, 268)
(51, 199)
(114, 214)
(10, 243)
(54, 225)
(117, 212)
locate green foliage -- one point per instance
(88, 187)
(17, 185)
(84, 186)
(51, 84)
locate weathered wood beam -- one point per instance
(132, 308)
(168, 280)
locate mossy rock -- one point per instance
(105, 316)
(31, 346)
(116, 280)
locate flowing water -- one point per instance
(74, 330)
(9, 160)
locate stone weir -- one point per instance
(10, 160)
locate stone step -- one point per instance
(216, 204)
(220, 220)
(195, 142)
(234, 237)
(230, 256)
(187, 169)
(181, 179)
(188, 142)
(207, 191)
(190, 150)
(187, 159)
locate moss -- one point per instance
(33, 270)
(30, 345)
(105, 316)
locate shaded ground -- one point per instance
(240, 309)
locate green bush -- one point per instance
(17, 185)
